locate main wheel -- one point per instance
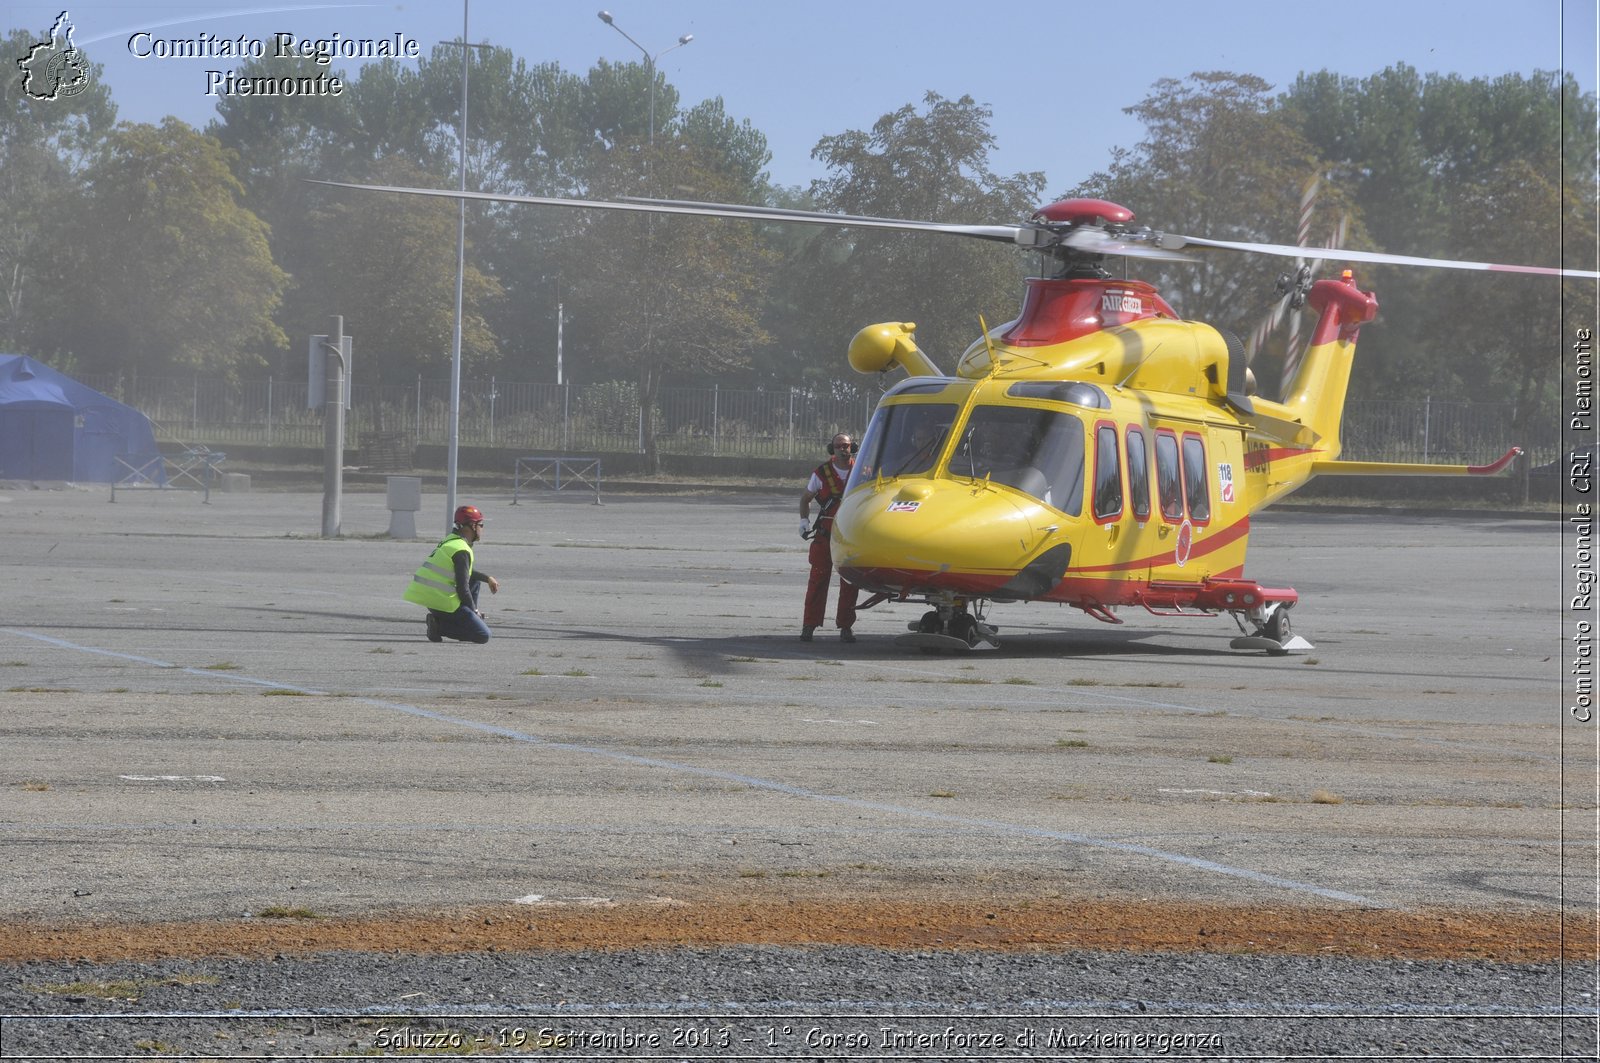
(965, 628)
(930, 623)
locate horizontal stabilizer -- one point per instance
(1401, 468)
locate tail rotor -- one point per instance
(1292, 288)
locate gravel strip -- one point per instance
(768, 1002)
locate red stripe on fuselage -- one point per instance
(1206, 544)
(1254, 459)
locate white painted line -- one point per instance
(1214, 793)
(755, 782)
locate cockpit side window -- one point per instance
(902, 440)
(1196, 489)
(1039, 452)
(1169, 476)
(1138, 476)
(1107, 473)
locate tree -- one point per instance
(161, 268)
(929, 165)
(1218, 160)
(655, 297)
(388, 266)
(1481, 169)
(43, 144)
(275, 143)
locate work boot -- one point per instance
(846, 635)
(805, 633)
(432, 623)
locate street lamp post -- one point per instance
(452, 457)
(650, 72)
(649, 63)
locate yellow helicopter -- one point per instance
(1098, 450)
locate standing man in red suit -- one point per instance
(826, 488)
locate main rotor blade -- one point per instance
(1005, 233)
(1336, 255)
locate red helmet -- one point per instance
(468, 515)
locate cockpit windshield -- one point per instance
(1036, 451)
(902, 440)
(1033, 450)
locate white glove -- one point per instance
(805, 528)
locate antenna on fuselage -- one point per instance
(988, 343)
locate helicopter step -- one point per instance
(1274, 648)
(930, 642)
(950, 628)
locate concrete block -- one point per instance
(402, 524)
(405, 493)
(405, 499)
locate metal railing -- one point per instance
(711, 422)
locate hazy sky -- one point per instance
(1057, 74)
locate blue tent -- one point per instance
(54, 428)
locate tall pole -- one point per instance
(649, 162)
(333, 430)
(650, 72)
(453, 459)
(649, 63)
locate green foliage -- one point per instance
(160, 249)
(609, 408)
(388, 265)
(931, 164)
(1219, 160)
(1428, 165)
(1497, 170)
(656, 296)
(160, 266)
(42, 143)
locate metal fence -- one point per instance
(712, 422)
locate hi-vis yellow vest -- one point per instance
(434, 585)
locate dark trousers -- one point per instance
(464, 625)
(817, 587)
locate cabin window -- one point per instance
(1169, 476)
(1077, 392)
(1107, 473)
(917, 386)
(1196, 491)
(1138, 476)
(903, 440)
(1039, 452)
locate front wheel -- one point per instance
(1278, 628)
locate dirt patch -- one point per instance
(1513, 937)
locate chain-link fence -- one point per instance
(711, 422)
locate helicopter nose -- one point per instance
(933, 535)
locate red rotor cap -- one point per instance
(1084, 212)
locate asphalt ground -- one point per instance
(210, 712)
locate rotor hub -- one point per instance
(1075, 212)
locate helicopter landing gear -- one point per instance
(1270, 630)
(950, 627)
